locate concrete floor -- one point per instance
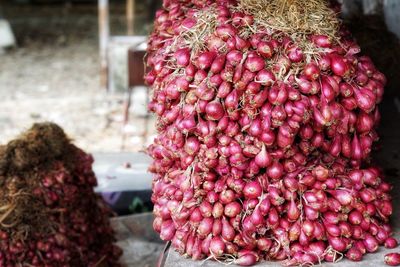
(136, 237)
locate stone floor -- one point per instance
(140, 244)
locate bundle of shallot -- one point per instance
(266, 117)
(49, 212)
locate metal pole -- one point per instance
(130, 14)
(104, 34)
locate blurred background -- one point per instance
(51, 70)
(79, 63)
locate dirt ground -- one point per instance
(53, 75)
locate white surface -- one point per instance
(139, 101)
(113, 176)
(6, 35)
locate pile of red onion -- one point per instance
(264, 141)
(49, 212)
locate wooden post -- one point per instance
(104, 35)
(130, 16)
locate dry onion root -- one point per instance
(49, 212)
(266, 117)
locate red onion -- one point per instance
(275, 171)
(320, 173)
(321, 41)
(346, 229)
(182, 57)
(354, 254)
(343, 196)
(333, 230)
(225, 31)
(365, 99)
(273, 218)
(295, 54)
(218, 64)
(192, 145)
(264, 244)
(333, 217)
(254, 64)
(392, 259)
(214, 110)
(311, 71)
(339, 66)
(371, 244)
(205, 60)
(205, 227)
(256, 217)
(293, 212)
(308, 228)
(391, 242)
(265, 49)
(217, 246)
(232, 209)
(246, 259)
(381, 236)
(252, 190)
(311, 213)
(205, 209)
(228, 232)
(265, 205)
(234, 57)
(355, 217)
(337, 243)
(167, 230)
(262, 159)
(360, 246)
